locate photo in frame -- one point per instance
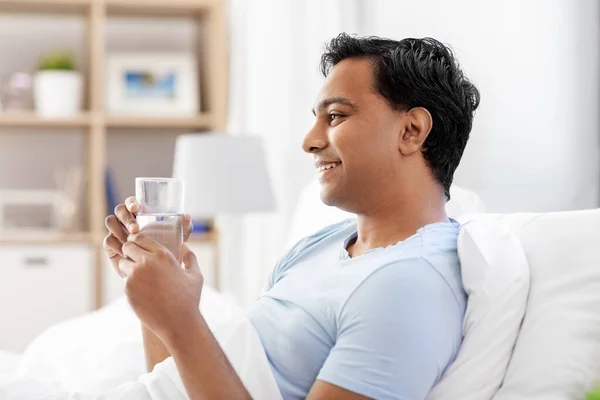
(152, 83)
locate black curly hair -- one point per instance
(418, 73)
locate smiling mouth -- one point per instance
(327, 167)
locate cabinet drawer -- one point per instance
(40, 286)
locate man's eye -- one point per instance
(334, 116)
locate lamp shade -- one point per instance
(223, 174)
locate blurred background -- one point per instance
(94, 93)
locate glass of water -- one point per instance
(161, 211)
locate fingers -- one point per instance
(126, 218)
(112, 247)
(134, 252)
(190, 262)
(188, 227)
(126, 266)
(115, 228)
(145, 242)
(134, 206)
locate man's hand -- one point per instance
(164, 296)
(123, 223)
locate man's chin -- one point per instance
(334, 197)
(329, 197)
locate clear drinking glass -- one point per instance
(161, 211)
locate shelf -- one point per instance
(32, 120)
(44, 238)
(208, 237)
(202, 121)
(162, 8)
(45, 6)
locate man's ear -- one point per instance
(417, 126)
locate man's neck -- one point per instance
(395, 221)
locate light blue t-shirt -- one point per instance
(385, 324)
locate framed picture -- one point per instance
(152, 83)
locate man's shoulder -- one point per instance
(425, 260)
(413, 271)
(412, 279)
(405, 315)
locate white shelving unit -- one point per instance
(212, 50)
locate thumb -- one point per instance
(189, 259)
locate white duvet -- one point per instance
(100, 356)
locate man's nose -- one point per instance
(315, 140)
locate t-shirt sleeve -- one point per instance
(397, 332)
(281, 265)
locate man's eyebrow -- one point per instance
(333, 100)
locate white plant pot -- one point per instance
(57, 93)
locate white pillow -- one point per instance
(495, 276)
(557, 355)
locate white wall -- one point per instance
(534, 144)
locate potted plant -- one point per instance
(593, 395)
(57, 87)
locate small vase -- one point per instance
(57, 93)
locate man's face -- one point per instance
(354, 139)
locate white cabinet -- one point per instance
(40, 286)
(113, 285)
(207, 260)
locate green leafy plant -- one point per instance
(57, 61)
(593, 395)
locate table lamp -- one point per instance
(223, 174)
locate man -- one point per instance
(370, 308)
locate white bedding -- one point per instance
(8, 362)
(100, 356)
